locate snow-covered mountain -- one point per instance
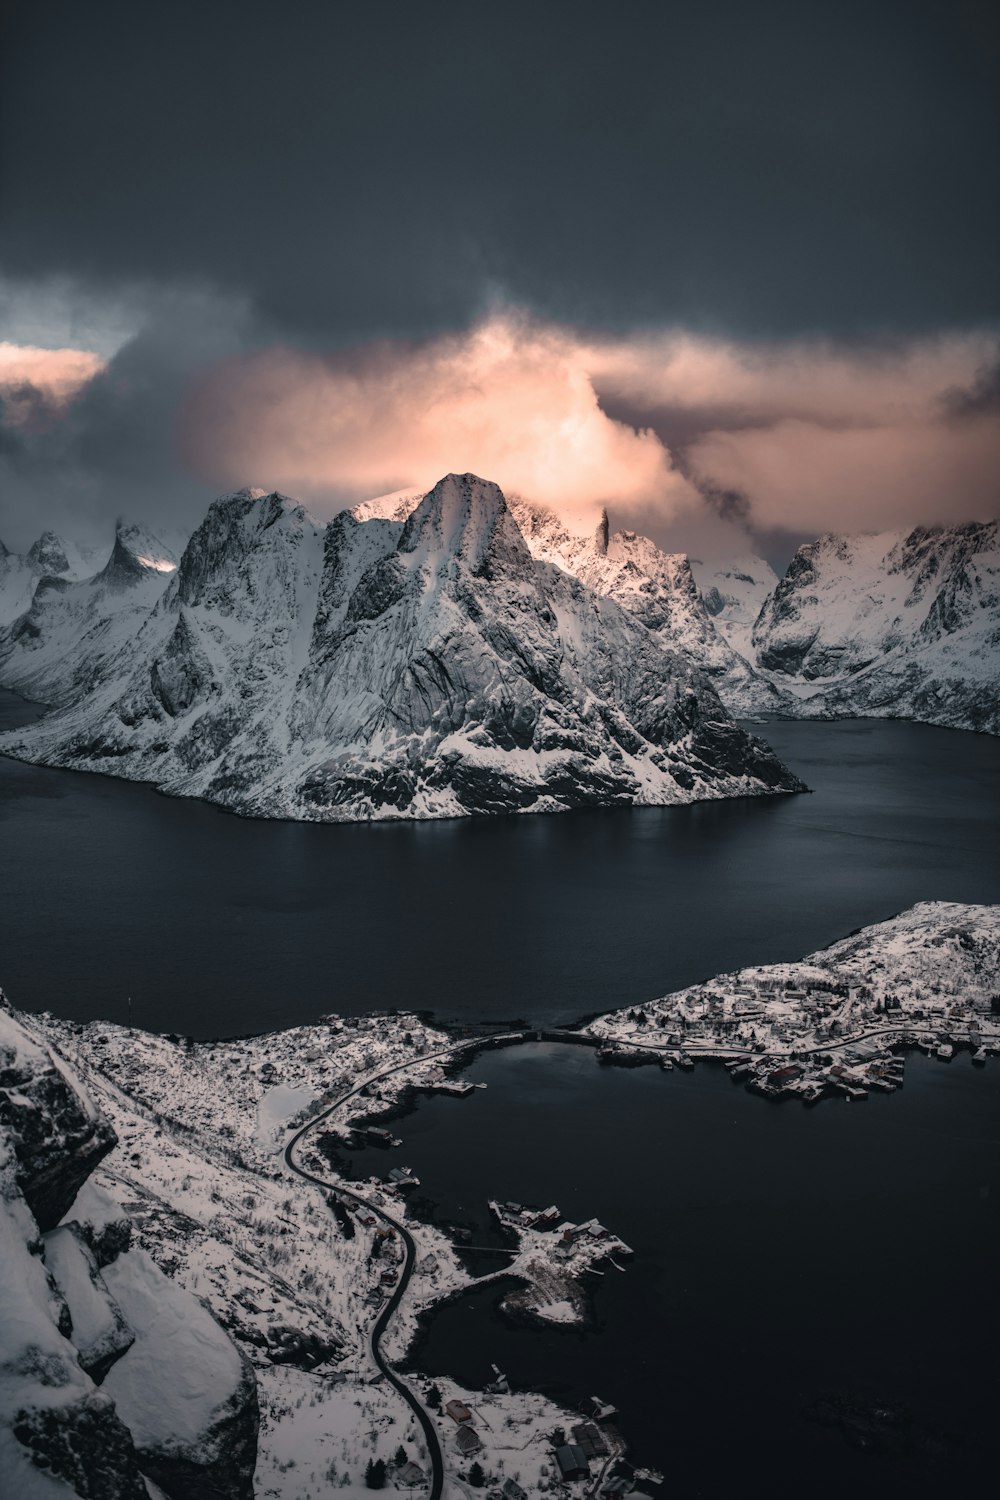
(900, 624)
(109, 1371)
(660, 589)
(385, 668)
(734, 593)
(656, 587)
(49, 556)
(56, 648)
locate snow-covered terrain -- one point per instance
(830, 1022)
(903, 624)
(900, 624)
(734, 592)
(109, 1372)
(187, 1197)
(57, 648)
(50, 556)
(381, 668)
(195, 1202)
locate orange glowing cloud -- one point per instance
(807, 435)
(509, 399)
(52, 376)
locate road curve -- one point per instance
(385, 1316)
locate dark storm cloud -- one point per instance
(358, 170)
(75, 461)
(725, 266)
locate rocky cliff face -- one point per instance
(904, 625)
(660, 589)
(108, 1371)
(380, 668)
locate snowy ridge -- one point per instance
(57, 648)
(49, 556)
(734, 593)
(381, 668)
(658, 588)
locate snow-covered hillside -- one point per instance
(385, 668)
(660, 589)
(110, 1373)
(55, 650)
(904, 625)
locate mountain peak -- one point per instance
(136, 554)
(465, 517)
(48, 554)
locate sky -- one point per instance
(728, 268)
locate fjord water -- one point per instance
(783, 1255)
(217, 925)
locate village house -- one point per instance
(572, 1462)
(467, 1441)
(458, 1411)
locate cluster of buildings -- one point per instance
(803, 1030)
(569, 1239)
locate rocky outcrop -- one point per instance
(108, 1370)
(383, 668)
(55, 1135)
(186, 1394)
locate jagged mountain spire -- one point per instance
(602, 533)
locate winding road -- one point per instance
(409, 1245)
(410, 1254)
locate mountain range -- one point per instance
(381, 668)
(429, 655)
(900, 625)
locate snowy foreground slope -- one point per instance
(197, 1189)
(110, 1373)
(901, 624)
(381, 668)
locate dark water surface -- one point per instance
(782, 1255)
(218, 925)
